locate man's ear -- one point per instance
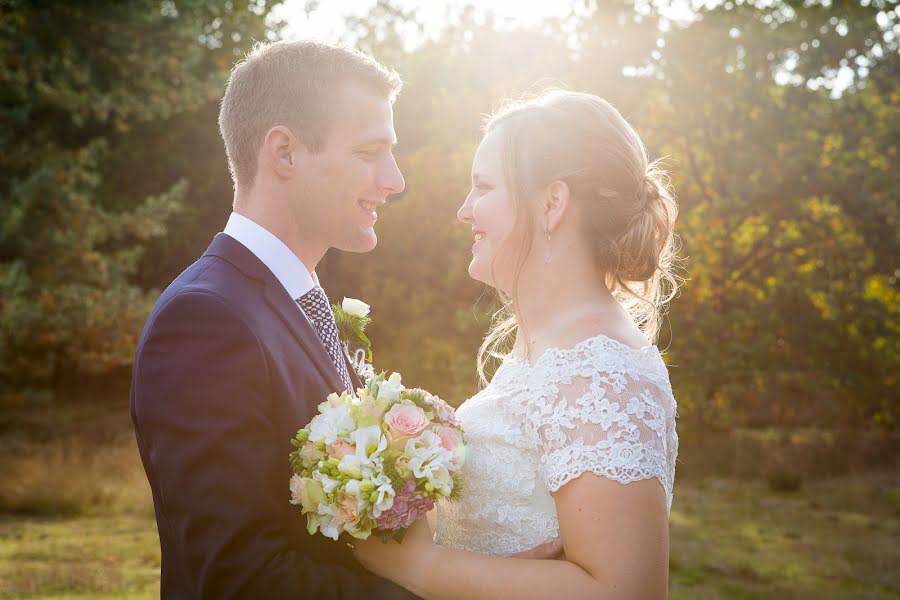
(555, 204)
(279, 151)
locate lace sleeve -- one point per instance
(618, 425)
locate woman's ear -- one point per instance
(557, 198)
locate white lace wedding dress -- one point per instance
(601, 406)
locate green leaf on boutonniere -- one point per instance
(352, 329)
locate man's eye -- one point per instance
(368, 154)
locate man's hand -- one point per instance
(547, 551)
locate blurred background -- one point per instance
(779, 121)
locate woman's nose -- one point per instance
(464, 213)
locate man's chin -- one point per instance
(361, 244)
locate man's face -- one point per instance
(342, 186)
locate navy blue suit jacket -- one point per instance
(227, 369)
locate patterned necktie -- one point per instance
(315, 305)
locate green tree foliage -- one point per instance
(99, 156)
(789, 206)
(114, 181)
(790, 214)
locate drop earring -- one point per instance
(548, 256)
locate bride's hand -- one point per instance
(401, 563)
(546, 551)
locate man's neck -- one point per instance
(282, 225)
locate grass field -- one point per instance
(837, 538)
(76, 522)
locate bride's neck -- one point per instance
(551, 299)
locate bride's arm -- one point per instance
(616, 545)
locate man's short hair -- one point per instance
(292, 84)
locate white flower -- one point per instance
(429, 459)
(439, 477)
(324, 521)
(334, 400)
(355, 307)
(333, 421)
(350, 466)
(386, 493)
(328, 484)
(352, 490)
(370, 443)
(390, 388)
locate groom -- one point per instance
(242, 346)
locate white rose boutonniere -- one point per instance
(355, 307)
(351, 318)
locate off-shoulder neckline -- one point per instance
(557, 351)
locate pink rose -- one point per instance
(404, 420)
(347, 510)
(339, 449)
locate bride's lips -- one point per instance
(479, 234)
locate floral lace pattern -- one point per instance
(600, 407)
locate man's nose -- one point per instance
(392, 178)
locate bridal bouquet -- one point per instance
(374, 463)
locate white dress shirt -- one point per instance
(272, 252)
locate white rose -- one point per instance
(355, 307)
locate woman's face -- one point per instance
(490, 210)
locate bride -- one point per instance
(574, 436)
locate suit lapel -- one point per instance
(290, 313)
(354, 377)
(224, 246)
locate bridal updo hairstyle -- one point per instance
(623, 200)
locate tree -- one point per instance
(791, 299)
(95, 168)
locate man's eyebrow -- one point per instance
(477, 175)
(378, 140)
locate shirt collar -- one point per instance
(272, 252)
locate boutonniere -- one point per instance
(351, 318)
